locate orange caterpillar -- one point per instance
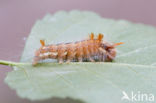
(86, 50)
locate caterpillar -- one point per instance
(92, 49)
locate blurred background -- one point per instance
(18, 16)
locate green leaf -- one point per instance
(133, 70)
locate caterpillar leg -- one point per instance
(61, 50)
(102, 57)
(80, 59)
(62, 57)
(60, 60)
(91, 59)
(69, 58)
(68, 61)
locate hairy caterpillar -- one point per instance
(87, 50)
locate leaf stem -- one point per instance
(9, 63)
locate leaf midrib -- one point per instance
(10, 63)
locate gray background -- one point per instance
(18, 16)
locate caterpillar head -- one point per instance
(109, 49)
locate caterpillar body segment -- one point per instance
(92, 49)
